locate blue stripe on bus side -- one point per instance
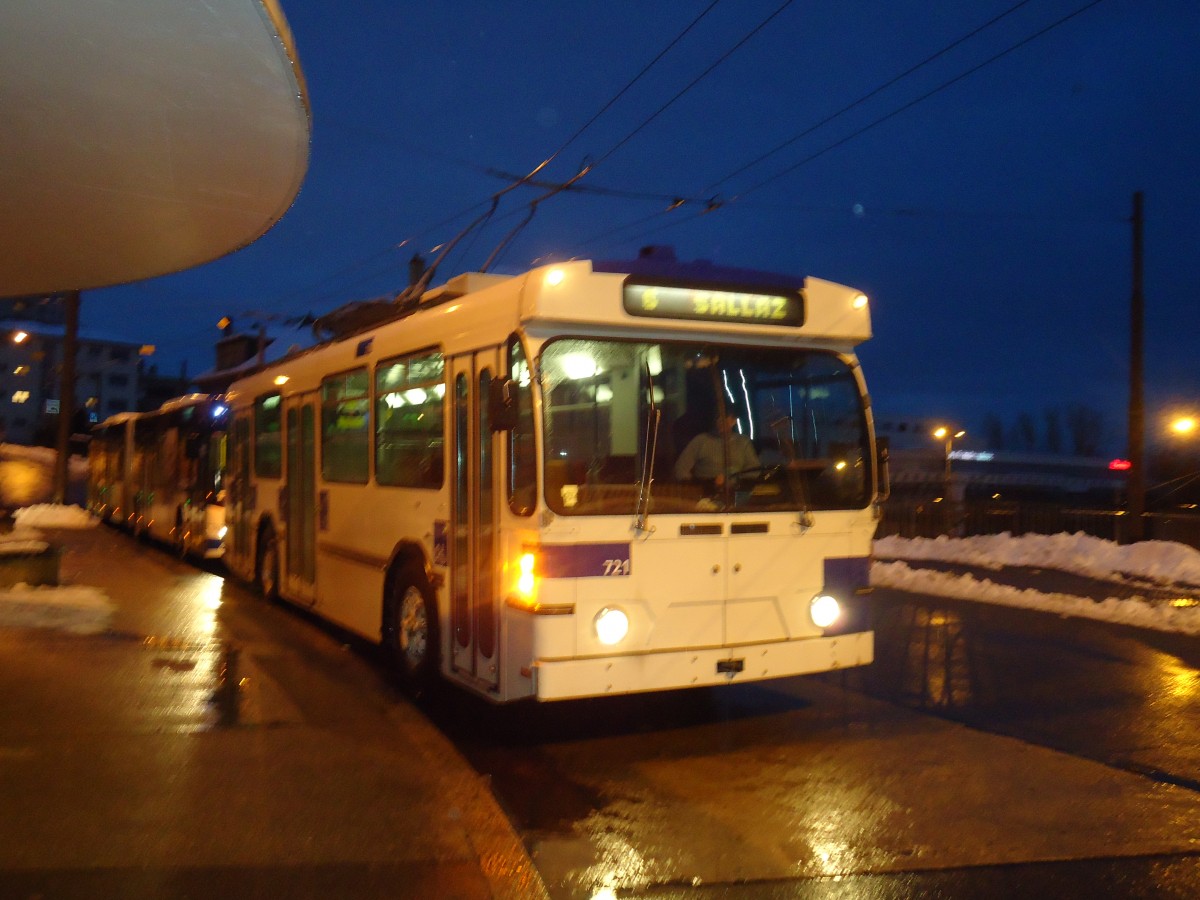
(584, 560)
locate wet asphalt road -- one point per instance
(1126, 697)
(1077, 774)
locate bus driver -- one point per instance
(704, 458)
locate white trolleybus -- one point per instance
(588, 479)
(160, 473)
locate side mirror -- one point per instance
(502, 404)
(883, 478)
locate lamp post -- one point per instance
(953, 502)
(1178, 460)
(943, 433)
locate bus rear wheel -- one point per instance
(179, 538)
(412, 631)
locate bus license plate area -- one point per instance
(730, 666)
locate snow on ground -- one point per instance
(1079, 554)
(21, 541)
(75, 608)
(50, 515)
(78, 608)
(1157, 561)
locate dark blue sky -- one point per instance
(987, 222)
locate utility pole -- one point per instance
(1137, 407)
(66, 396)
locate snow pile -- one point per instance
(21, 541)
(80, 610)
(50, 515)
(1160, 562)
(1080, 554)
(1184, 618)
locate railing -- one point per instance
(914, 518)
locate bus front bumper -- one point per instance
(602, 676)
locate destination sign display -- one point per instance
(661, 301)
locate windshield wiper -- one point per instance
(642, 511)
(784, 428)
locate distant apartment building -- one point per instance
(108, 371)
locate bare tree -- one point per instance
(993, 433)
(1052, 417)
(1086, 429)
(1023, 437)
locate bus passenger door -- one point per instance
(240, 500)
(474, 518)
(300, 504)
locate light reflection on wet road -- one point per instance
(785, 787)
(1125, 697)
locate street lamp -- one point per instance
(953, 507)
(944, 433)
(1184, 426)
(1183, 429)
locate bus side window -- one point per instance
(345, 427)
(409, 421)
(268, 437)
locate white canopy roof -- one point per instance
(142, 137)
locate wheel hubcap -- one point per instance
(414, 628)
(268, 569)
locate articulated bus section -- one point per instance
(160, 474)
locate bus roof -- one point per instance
(699, 300)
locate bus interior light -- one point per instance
(824, 610)
(611, 625)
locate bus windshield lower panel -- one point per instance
(740, 428)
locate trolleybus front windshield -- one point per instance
(739, 428)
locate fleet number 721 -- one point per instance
(616, 567)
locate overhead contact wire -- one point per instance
(923, 97)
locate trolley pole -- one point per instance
(1137, 409)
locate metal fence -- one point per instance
(913, 518)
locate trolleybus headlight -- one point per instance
(222, 531)
(824, 610)
(611, 625)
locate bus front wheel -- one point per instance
(268, 566)
(412, 631)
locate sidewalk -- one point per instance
(117, 778)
